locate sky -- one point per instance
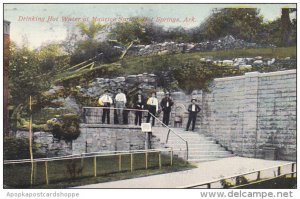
(44, 23)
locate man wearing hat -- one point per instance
(193, 109)
(120, 100)
(105, 101)
(139, 102)
(152, 104)
(166, 104)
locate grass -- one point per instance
(136, 65)
(77, 172)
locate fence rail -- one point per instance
(257, 172)
(50, 170)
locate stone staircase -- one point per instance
(201, 147)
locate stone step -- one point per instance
(200, 147)
(191, 137)
(191, 142)
(192, 157)
(203, 160)
(197, 152)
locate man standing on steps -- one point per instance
(166, 104)
(152, 104)
(105, 101)
(193, 109)
(120, 105)
(139, 102)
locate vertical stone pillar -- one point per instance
(6, 32)
(249, 146)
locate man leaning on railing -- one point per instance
(139, 102)
(105, 101)
(152, 104)
(120, 100)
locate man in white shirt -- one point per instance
(105, 101)
(193, 109)
(152, 104)
(120, 100)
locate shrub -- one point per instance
(17, 148)
(65, 127)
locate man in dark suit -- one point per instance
(166, 104)
(139, 103)
(193, 109)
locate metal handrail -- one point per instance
(113, 108)
(142, 110)
(234, 176)
(171, 130)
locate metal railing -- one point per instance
(130, 121)
(46, 170)
(258, 177)
(171, 130)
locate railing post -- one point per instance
(34, 172)
(168, 136)
(131, 162)
(146, 160)
(95, 166)
(293, 170)
(120, 162)
(258, 175)
(159, 159)
(187, 151)
(46, 172)
(171, 156)
(279, 171)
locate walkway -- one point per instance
(206, 171)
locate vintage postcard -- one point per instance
(164, 96)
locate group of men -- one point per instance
(140, 104)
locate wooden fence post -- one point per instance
(120, 162)
(146, 160)
(46, 172)
(159, 159)
(95, 166)
(279, 171)
(258, 175)
(131, 162)
(171, 156)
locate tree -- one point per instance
(84, 46)
(128, 33)
(25, 74)
(52, 57)
(243, 23)
(286, 27)
(90, 30)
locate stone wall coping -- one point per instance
(111, 126)
(257, 74)
(285, 72)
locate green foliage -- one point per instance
(226, 183)
(52, 58)
(90, 30)
(65, 127)
(129, 31)
(73, 78)
(26, 77)
(16, 148)
(243, 23)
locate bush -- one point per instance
(65, 127)
(17, 148)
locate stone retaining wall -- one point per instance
(247, 113)
(104, 137)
